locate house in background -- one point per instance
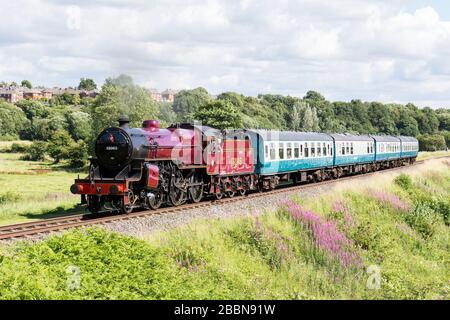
(154, 94)
(11, 94)
(168, 95)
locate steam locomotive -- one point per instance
(148, 167)
(151, 166)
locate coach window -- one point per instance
(306, 150)
(319, 150)
(266, 151)
(324, 147)
(343, 148)
(296, 151)
(288, 150)
(313, 149)
(281, 151)
(272, 151)
(351, 148)
(368, 147)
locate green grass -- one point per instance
(266, 257)
(34, 190)
(423, 155)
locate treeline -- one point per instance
(65, 127)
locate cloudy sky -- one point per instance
(391, 51)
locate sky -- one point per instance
(388, 51)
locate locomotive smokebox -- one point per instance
(150, 125)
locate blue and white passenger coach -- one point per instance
(291, 157)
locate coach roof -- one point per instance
(275, 135)
(386, 139)
(350, 137)
(408, 139)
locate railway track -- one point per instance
(30, 229)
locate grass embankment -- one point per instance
(33, 190)
(423, 155)
(334, 246)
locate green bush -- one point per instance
(18, 148)
(404, 181)
(59, 145)
(431, 142)
(78, 154)
(423, 219)
(9, 197)
(35, 152)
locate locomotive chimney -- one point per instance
(151, 125)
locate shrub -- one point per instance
(59, 145)
(18, 148)
(423, 219)
(78, 154)
(428, 142)
(9, 197)
(404, 181)
(35, 152)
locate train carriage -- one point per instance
(287, 151)
(409, 147)
(352, 149)
(386, 148)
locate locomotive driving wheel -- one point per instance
(156, 201)
(196, 191)
(177, 195)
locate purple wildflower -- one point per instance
(325, 235)
(390, 199)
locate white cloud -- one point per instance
(345, 49)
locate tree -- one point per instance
(382, 119)
(78, 154)
(12, 120)
(36, 151)
(79, 125)
(295, 118)
(446, 135)
(428, 121)
(429, 142)
(59, 145)
(219, 114)
(310, 121)
(122, 80)
(187, 102)
(87, 84)
(407, 125)
(122, 97)
(304, 117)
(313, 95)
(26, 83)
(166, 114)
